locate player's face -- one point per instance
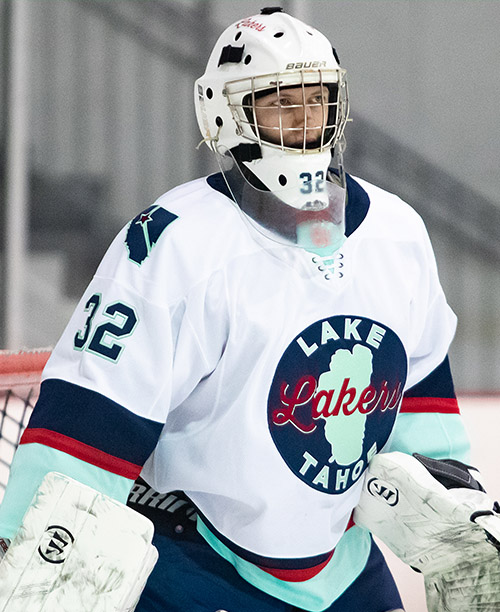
(300, 112)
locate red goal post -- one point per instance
(20, 373)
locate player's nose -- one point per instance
(308, 116)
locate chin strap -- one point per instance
(246, 152)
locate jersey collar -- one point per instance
(357, 199)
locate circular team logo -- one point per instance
(334, 399)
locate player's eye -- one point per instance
(319, 99)
(284, 102)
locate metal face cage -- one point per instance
(305, 111)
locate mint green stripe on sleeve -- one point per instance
(441, 436)
(30, 464)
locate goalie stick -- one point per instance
(76, 550)
(436, 517)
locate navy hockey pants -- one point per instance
(191, 577)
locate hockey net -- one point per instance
(20, 374)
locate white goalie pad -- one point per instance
(451, 535)
(77, 550)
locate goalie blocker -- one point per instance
(436, 517)
(77, 549)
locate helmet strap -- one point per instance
(246, 152)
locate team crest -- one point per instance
(334, 399)
(145, 230)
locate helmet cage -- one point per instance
(241, 95)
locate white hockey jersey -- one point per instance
(256, 377)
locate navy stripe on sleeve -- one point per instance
(95, 420)
(439, 383)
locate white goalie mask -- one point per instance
(273, 100)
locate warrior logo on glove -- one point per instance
(334, 399)
(383, 490)
(56, 545)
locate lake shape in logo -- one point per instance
(334, 399)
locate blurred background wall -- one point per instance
(110, 127)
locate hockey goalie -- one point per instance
(77, 550)
(436, 517)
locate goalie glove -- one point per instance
(436, 517)
(77, 550)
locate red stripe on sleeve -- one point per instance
(442, 405)
(81, 451)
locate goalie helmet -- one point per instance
(274, 99)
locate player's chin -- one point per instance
(297, 141)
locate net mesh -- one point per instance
(20, 374)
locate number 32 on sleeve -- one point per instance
(102, 340)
